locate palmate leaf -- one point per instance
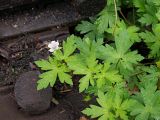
(111, 107)
(85, 27)
(147, 10)
(152, 40)
(106, 19)
(53, 70)
(150, 75)
(147, 106)
(86, 66)
(140, 4)
(107, 76)
(148, 19)
(122, 107)
(89, 29)
(88, 47)
(69, 47)
(46, 79)
(131, 31)
(120, 55)
(104, 111)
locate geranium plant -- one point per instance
(124, 80)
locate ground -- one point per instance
(70, 101)
(69, 108)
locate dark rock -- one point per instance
(27, 96)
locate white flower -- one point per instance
(53, 46)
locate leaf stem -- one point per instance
(116, 15)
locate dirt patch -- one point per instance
(18, 55)
(69, 108)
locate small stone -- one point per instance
(27, 96)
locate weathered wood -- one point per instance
(12, 48)
(89, 7)
(20, 53)
(37, 19)
(5, 4)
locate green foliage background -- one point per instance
(124, 79)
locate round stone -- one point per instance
(27, 96)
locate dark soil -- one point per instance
(69, 108)
(27, 50)
(23, 45)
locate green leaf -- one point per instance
(122, 107)
(156, 2)
(84, 82)
(106, 19)
(146, 11)
(106, 76)
(150, 75)
(89, 29)
(46, 79)
(158, 64)
(44, 65)
(69, 47)
(111, 107)
(89, 47)
(158, 14)
(140, 4)
(86, 66)
(103, 112)
(85, 27)
(148, 19)
(152, 40)
(147, 105)
(121, 56)
(64, 77)
(53, 68)
(130, 31)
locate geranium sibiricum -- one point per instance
(53, 45)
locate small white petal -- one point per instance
(51, 50)
(50, 45)
(53, 46)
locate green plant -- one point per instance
(56, 65)
(110, 61)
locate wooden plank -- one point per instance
(20, 53)
(36, 19)
(10, 48)
(5, 4)
(89, 7)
